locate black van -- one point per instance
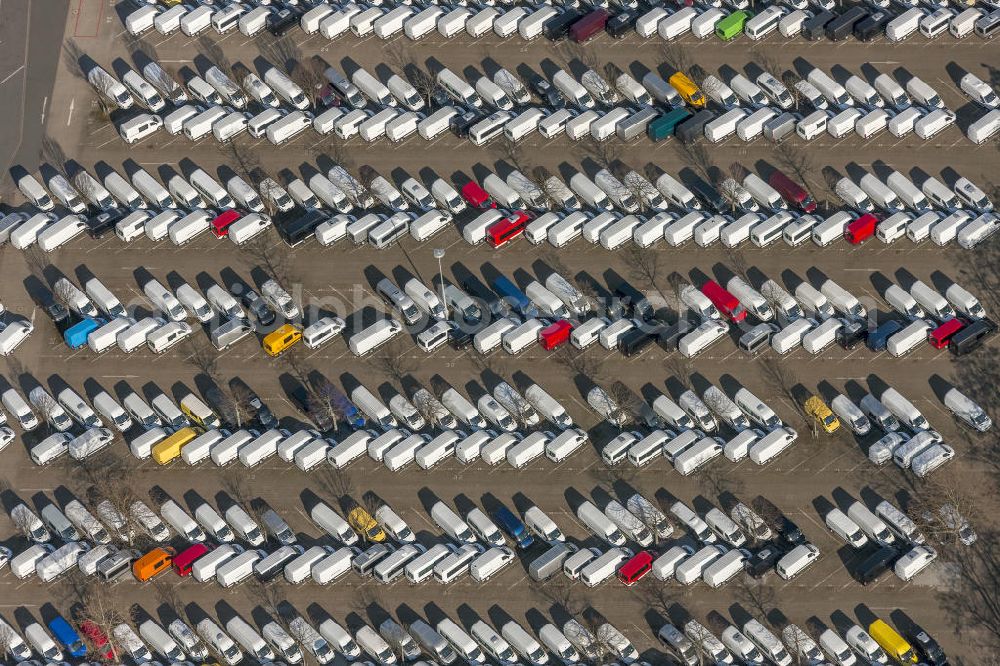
(621, 24)
(814, 28)
(557, 27)
(852, 333)
(294, 231)
(973, 335)
(871, 27)
(708, 194)
(843, 26)
(635, 341)
(875, 564)
(693, 128)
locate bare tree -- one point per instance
(579, 363)
(639, 187)
(719, 479)
(241, 158)
(428, 407)
(646, 267)
(756, 593)
(426, 84)
(609, 477)
(399, 55)
(274, 259)
(730, 191)
(680, 368)
(660, 596)
(394, 361)
(23, 520)
(677, 55)
(64, 291)
(766, 59)
(790, 78)
(73, 57)
(47, 408)
(737, 261)
(712, 87)
(7, 637)
(306, 75)
(797, 161)
(336, 483)
(372, 502)
(54, 155)
(235, 480)
(797, 642)
(204, 358)
(36, 260)
(983, 272)
(210, 49)
(626, 404)
(972, 599)
(778, 376)
(561, 592)
(603, 153)
(696, 154)
(268, 597)
(114, 486)
(552, 189)
(569, 52)
(944, 506)
(106, 609)
(168, 594)
(513, 153)
(85, 185)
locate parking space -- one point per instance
(339, 280)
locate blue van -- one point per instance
(514, 297)
(513, 526)
(66, 635)
(76, 335)
(878, 338)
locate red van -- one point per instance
(507, 229)
(220, 225)
(632, 571)
(940, 336)
(727, 304)
(588, 26)
(861, 229)
(477, 197)
(555, 334)
(185, 559)
(791, 191)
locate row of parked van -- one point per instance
(751, 108)
(99, 320)
(816, 19)
(774, 208)
(589, 108)
(477, 641)
(291, 639)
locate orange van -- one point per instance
(152, 563)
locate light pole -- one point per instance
(439, 255)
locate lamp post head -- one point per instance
(438, 253)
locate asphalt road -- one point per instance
(28, 59)
(815, 472)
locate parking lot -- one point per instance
(340, 280)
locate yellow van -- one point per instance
(688, 90)
(281, 339)
(363, 523)
(198, 412)
(895, 645)
(168, 449)
(823, 415)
